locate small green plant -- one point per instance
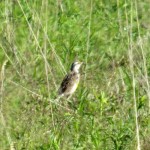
(40, 39)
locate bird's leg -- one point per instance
(69, 102)
(68, 98)
(58, 98)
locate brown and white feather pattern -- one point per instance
(69, 84)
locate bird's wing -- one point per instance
(65, 83)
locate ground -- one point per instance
(39, 40)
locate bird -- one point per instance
(70, 82)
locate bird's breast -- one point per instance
(74, 87)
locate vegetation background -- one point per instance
(111, 107)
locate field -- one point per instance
(39, 40)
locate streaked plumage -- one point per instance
(71, 81)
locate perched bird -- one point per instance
(71, 81)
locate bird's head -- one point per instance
(76, 66)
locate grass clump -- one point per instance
(38, 43)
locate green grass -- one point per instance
(38, 42)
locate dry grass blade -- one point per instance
(131, 60)
(88, 39)
(1, 107)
